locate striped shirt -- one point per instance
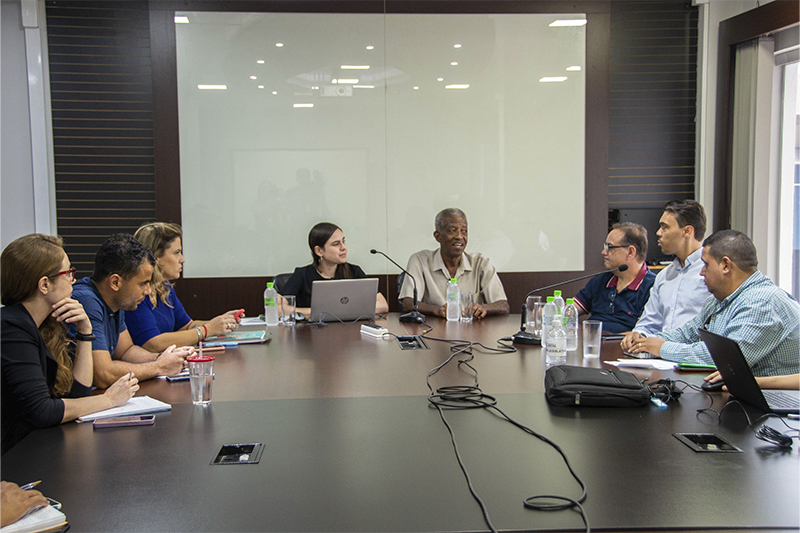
(761, 317)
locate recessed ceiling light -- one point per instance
(363, 86)
(260, 86)
(260, 61)
(212, 87)
(355, 67)
(416, 87)
(181, 20)
(315, 88)
(439, 79)
(253, 77)
(456, 46)
(454, 63)
(347, 80)
(569, 22)
(370, 47)
(551, 79)
(274, 92)
(279, 45)
(574, 68)
(457, 86)
(302, 105)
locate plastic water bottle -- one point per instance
(548, 313)
(453, 301)
(271, 305)
(556, 343)
(559, 301)
(570, 322)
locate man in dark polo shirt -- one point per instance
(619, 299)
(121, 280)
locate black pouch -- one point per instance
(575, 386)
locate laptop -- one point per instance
(343, 299)
(739, 378)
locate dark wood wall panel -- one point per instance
(102, 110)
(653, 93)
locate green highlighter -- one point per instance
(689, 367)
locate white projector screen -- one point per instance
(442, 111)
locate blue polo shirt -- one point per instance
(619, 311)
(149, 321)
(106, 324)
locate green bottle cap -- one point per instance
(551, 298)
(452, 280)
(570, 301)
(269, 284)
(556, 293)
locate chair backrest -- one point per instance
(279, 281)
(400, 279)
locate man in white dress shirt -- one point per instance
(679, 291)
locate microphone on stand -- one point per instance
(414, 316)
(525, 337)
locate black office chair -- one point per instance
(400, 279)
(279, 281)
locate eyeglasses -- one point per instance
(70, 273)
(607, 247)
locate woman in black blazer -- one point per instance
(45, 381)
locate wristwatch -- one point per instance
(86, 338)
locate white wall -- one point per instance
(16, 170)
(710, 14)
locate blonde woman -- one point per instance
(45, 380)
(160, 320)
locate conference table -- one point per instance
(351, 443)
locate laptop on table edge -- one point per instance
(739, 379)
(343, 299)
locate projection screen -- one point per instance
(375, 123)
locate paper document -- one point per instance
(657, 364)
(254, 321)
(138, 405)
(45, 518)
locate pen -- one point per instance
(215, 349)
(217, 344)
(130, 375)
(29, 486)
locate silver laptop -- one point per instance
(343, 299)
(739, 378)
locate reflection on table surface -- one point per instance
(338, 361)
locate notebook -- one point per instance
(343, 299)
(739, 378)
(138, 405)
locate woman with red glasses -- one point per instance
(45, 379)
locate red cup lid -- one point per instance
(200, 358)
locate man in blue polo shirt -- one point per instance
(619, 299)
(121, 279)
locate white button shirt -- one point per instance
(676, 297)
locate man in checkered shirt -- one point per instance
(745, 306)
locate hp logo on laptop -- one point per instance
(344, 300)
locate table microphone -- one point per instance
(524, 337)
(415, 315)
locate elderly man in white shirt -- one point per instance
(679, 291)
(433, 268)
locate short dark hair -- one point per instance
(121, 254)
(450, 212)
(689, 213)
(633, 235)
(736, 246)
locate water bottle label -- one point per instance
(269, 302)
